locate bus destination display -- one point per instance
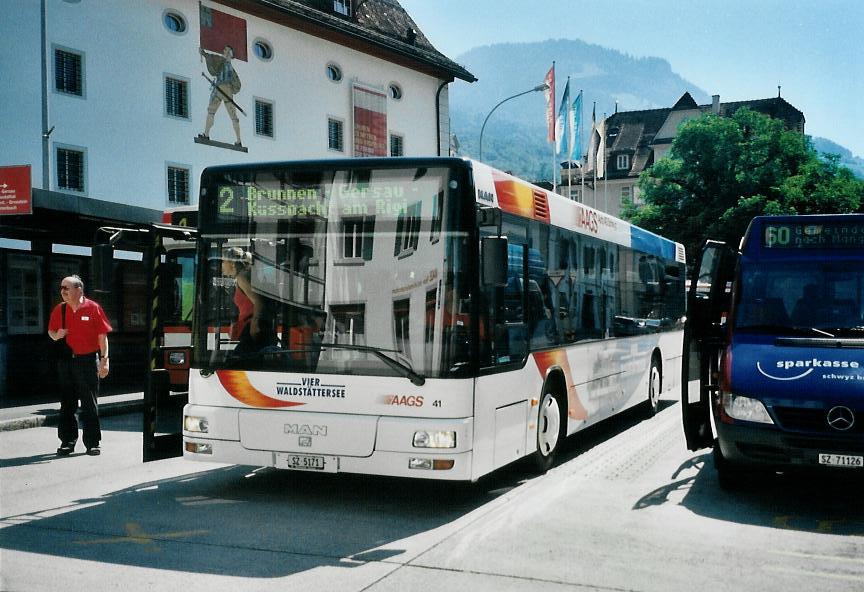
(261, 203)
(833, 235)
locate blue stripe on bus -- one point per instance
(648, 242)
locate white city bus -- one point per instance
(426, 317)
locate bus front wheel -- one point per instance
(548, 432)
(655, 386)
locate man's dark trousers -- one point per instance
(81, 382)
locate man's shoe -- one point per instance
(66, 449)
(94, 451)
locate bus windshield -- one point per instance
(333, 271)
(802, 297)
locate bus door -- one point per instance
(163, 410)
(708, 303)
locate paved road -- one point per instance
(628, 508)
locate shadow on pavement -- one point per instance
(822, 501)
(230, 521)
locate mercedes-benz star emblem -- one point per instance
(841, 418)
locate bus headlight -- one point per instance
(196, 424)
(745, 409)
(434, 439)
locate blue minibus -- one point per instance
(773, 370)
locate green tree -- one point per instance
(720, 172)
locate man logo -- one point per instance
(305, 429)
(841, 418)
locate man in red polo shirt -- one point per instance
(86, 331)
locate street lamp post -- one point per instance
(538, 88)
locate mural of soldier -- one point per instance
(224, 85)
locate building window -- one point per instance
(24, 294)
(349, 324)
(401, 325)
(263, 50)
(623, 162)
(178, 186)
(70, 169)
(357, 237)
(68, 72)
(342, 7)
(437, 216)
(626, 194)
(263, 118)
(335, 135)
(174, 22)
(407, 231)
(397, 145)
(334, 73)
(395, 92)
(176, 97)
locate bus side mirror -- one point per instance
(493, 256)
(102, 262)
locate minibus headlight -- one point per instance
(196, 424)
(434, 439)
(745, 409)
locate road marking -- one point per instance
(816, 574)
(815, 556)
(200, 500)
(134, 534)
(800, 522)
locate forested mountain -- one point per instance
(515, 135)
(847, 159)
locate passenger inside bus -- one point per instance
(253, 330)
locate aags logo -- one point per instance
(805, 367)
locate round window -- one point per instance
(263, 50)
(174, 22)
(395, 92)
(334, 72)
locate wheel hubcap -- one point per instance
(654, 387)
(550, 424)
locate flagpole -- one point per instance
(593, 129)
(581, 138)
(554, 176)
(570, 143)
(605, 172)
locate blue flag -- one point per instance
(576, 128)
(562, 123)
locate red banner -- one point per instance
(219, 29)
(15, 190)
(370, 122)
(550, 103)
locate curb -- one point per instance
(50, 419)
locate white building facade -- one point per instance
(106, 102)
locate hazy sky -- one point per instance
(739, 49)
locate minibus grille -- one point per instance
(801, 419)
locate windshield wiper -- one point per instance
(402, 369)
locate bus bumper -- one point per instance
(773, 448)
(391, 455)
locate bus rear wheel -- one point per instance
(548, 432)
